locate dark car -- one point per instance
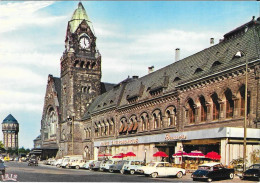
(117, 166)
(2, 167)
(252, 173)
(211, 171)
(95, 165)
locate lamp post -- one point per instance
(245, 115)
(245, 119)
(145, 155)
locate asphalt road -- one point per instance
(46, 173)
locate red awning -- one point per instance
(120, 155)
(130, 154)
(196, 154)
(160, 154)
(213, 155)
(180, 153)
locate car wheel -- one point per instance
(111, 170)
(231, 175)
(154, 174)
(122, 171)
(179, 175)
(209, 179)
(132, 172)
(77, 167)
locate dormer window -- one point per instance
(176, 79)
(216, 63)
(132, 99)
(198, 70)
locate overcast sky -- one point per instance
(131, 36)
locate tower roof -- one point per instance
(10, 119)
(78, 16)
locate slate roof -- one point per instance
(10, 119)
(205, 63)
(78, 16)
(57, 85)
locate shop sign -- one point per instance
(178, 137)
(119, 142)
(130, 141)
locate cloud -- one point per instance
(16, 15)
(133, 54)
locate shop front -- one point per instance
(226, 141)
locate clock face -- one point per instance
(84, 42)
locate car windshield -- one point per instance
(151, 164)
(254, 167)
(205, 168)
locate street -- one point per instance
(46, 173)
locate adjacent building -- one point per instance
(196, 103)
(10, 129)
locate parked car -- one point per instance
(104, 166)
(57, 163)
(253, 172)
(95, 165)
(65, 163)
(211, 171)
(77, 163)
(50, 161)
(86, 165)
(117, 166)
(131, 166)
(163, 169)
(2, 167)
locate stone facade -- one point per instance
(203, 91)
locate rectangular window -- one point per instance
(203, 114)
(229, 110)
(192, 116)
(215, 112)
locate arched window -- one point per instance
(171, 116)
(111, 126)
(216, 107)
(191, 111)
(145, 121)
(203, 109)
(229, 104)
(157, 119)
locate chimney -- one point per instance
(177, 54)
(150, 69)
(135, 77)
(211, 41)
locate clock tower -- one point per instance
(80, 67)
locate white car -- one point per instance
(77, 163)
(162, 169)
(131, 166)
(86, 165)
(104, 166)
(57, 163)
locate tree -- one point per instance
(2, 147)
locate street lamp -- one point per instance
(240, 54)
(145, 155)
(71, 120)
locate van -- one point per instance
(67, 160)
